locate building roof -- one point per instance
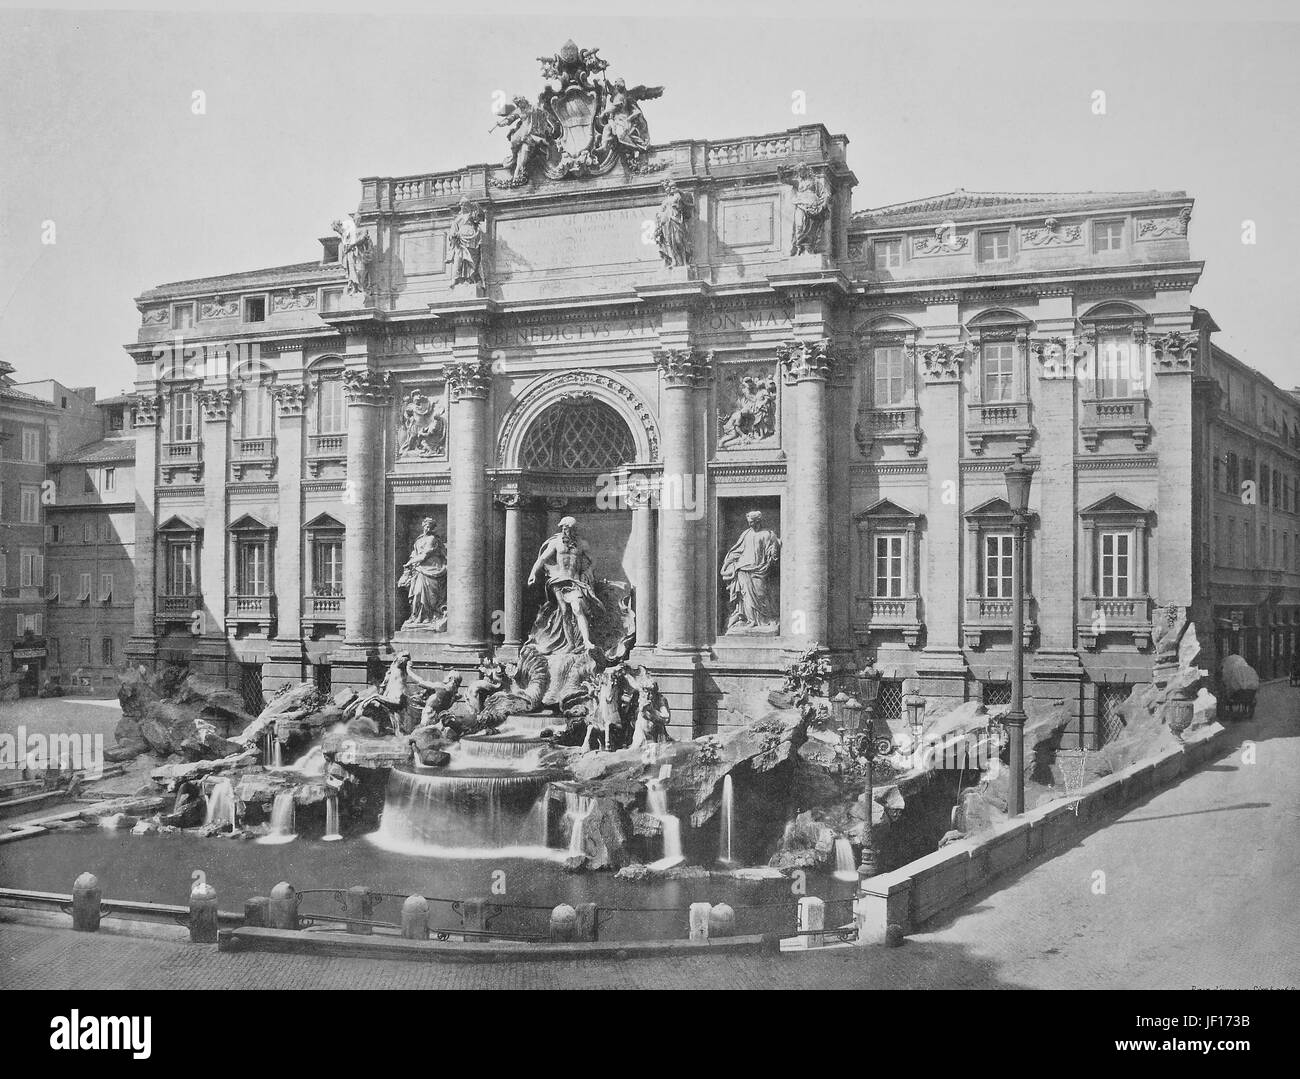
(295, 273)
(961, 204)
(106, 451)
(118, 399)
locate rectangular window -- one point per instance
(1107, 235)
(254, 308)
(889, 567)
(1116, 569)
(110, 479)
(998, 365)
(56, 587)
(105, 530)
(252, 568)
(182, 316)
(83, 591)
(255, 411)
(106, 651)
(888, 372)
(180, 569)
(31, 568)
(85, 651)
(999, 563)
(331, 417)
(327, 567)
(29, 505)
(183, 416)
(31, 444)
(888, 254)
(105, 588)
(1115, 374)
(115, 419)
(995, 246)
(87, 531)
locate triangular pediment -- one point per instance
(323, 522)
(884, 508)
(1113, 505)
(249, 523)
(177, 523)
(994, 507)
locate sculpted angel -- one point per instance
(623, 121)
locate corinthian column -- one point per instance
(467, 516)
(143, 646)
(514, 570)
(806, 365)
(367, 394)
(682, 371)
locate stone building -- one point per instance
(1250, 526)
(89, 555)
(661, 342)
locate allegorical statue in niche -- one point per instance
(355, 254)
(672, 225)
(749, 571)
(753, 415)
(425, 579)
(424, 425)
(465, 243)
(812, 201)
(564, 622)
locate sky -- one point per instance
(98, 134)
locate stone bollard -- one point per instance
(812, 917)
(474, 915)
(588, 922)
(722, 921)
(203, 914)
(564, 924)
(282, 907)
(700, 921)
(256, 915)
(87, 897)
(357, 901)
(415, 918)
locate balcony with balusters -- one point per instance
(1103, 417)
(985, 615)
(1129, 615)
(176, 458)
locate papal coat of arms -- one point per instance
(582, 124)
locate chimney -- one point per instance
(329, 249)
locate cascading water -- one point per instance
(577, 808)
(277, 753)
(311, 763)
(724, 822)
(657, 806)
(282, 820)
(331, 819)
(221, 805)
(845, 869)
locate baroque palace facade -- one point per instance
(662, 342)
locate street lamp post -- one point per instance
(1019, 477)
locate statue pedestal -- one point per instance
(676, 274)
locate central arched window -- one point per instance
(581, 435)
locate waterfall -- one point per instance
(845, 869)
(577, 808)
(277, 753)
(221, 805)
(311, 763)
(537, 828)
(179, 801)
(483, 813)
(657, 806)
(724, 822)
(331, 819)
(282, 820)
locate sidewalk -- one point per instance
(1200, 887)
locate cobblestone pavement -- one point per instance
(1200, 887)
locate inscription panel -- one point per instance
(748, 222)
(565, 241)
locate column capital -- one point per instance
(362, 386)
(942, 362)
(215, 405)
(511, 500)
(807, 361)
(1174, 352)
(146, 409)
(684, 367)
(469, 379)
(289, 399)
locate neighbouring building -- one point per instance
(89, 559)
(783, 422)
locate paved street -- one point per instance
(1200, 889)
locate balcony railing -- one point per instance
(1115, 416)
(902, 613)
(1128, 615)
(323, 613)
(998, 419)
(256, 452)
(326, 449)
(177, 610)
(896, 423)
(243, 611)
(986, 614)
(182, 452)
